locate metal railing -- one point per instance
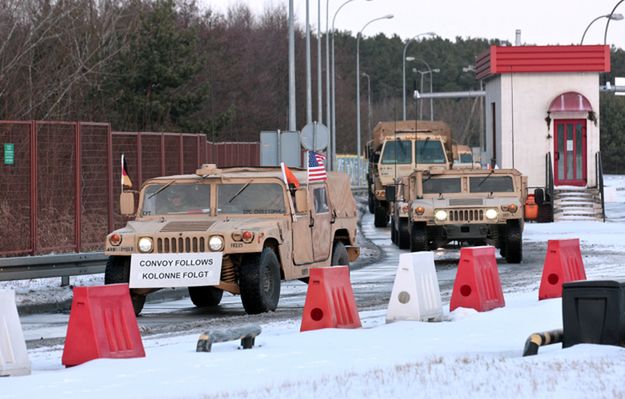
(50, 266)
(599, 176)
(549, 186)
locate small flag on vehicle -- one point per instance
(126, 183)
(316, 167)
(288, 176)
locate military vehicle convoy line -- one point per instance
(240, 230)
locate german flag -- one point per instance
(289, 177)
(126, 183)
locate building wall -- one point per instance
(523, 136)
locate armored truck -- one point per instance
(467, 206)
(398, 148)
(240, 230)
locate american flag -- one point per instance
(316, 167)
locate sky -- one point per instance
(541, 22)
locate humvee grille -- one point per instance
(466, 215)
(180, 244)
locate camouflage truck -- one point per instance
(240, 230)
(398, 148)
(468, 206)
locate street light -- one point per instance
(332, 120)
(616, 17)
(429, 71)
(365, 75)
(389, 16)
(404, 66)
(610, 15)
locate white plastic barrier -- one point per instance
(416, 294)
(13, 355)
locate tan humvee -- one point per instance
(469, 206)
(239, 230)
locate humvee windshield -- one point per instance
(165, 199)
(441, 185)
(491, 184)
(429, 151)
(250, 198)
(397, 152)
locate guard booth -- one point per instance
(542, 118)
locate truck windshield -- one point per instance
(175, 199)
(430, 151)
(492, 184)
(466, 158)
(441, 185)
(397, 152)
(250, 198)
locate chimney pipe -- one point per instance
(517, 41)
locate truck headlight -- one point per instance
(145, 244)
(440, 215)
(491, 214)
(216, 243)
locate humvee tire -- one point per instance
(513, 242)
(371, 202)
(260, 282)
(418, 237)
(117, 271)
(380, 217)
(339, 255)
(403, 234)
(205, 296)
(393, 233)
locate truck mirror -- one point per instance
(539, 196)
(390, 193)
(127, 203)
(301, 200)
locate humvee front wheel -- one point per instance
(260, 282)
(381, 217)
(339, 255)
(117, 271)
(403, 234)
(393, 233)
(371, 202)
(513, 242)
(418, 237)
(205, 296)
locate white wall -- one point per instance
(522, 134)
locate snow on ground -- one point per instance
(470, 354)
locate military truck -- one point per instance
(463, 157)
(467, 206)
(240, 230)
(398, 148)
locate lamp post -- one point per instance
(615, 17)
(610, 15)
(365, 75)
(429, 71)
(389, 16)
(404, 66)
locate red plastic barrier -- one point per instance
(563, 263)
(477, 282)
(330, 300)
(102, 324)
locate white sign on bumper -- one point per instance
(175, 270)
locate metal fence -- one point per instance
(59, 182)
(354, 167)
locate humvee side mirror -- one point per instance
(301, 200)
(127, 203)
(390, 193)
(539, 196)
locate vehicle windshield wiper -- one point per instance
(486, 178)
(425, 143)
(240, 191)
(154, 194)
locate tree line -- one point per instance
(167, 65)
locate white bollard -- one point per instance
(416, 294)
(13, 355)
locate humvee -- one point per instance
(469, 206)
(240, 230)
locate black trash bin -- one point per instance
(593, 312)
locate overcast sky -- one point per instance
(540, 21)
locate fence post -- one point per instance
(33, 187)
(77, 186)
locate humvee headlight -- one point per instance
(491, 214)
(419, 210)
(216, 243)
(145, 244)
(440, 215)
(115, 239)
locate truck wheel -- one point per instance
(403, 234)
(418, 237)
(381, 217)
(393, 234)
(371, 202)
(339, 255)
(205, 296)
(260, 282)
(117, 271)
(513, 242)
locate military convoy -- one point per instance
(467, 206)
(240, 230)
